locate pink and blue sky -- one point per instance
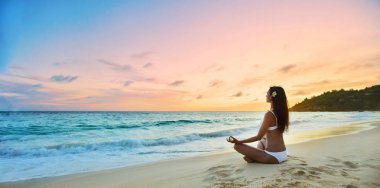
(182, 55)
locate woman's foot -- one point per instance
(248, 159)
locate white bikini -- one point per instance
(282, 155)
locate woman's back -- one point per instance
(275, 140)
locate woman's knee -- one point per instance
(237, 146)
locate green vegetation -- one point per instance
(367, 99)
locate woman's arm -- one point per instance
(263, 129)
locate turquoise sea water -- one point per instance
(41, 144)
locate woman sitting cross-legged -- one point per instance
(271, 147)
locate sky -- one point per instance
(186, 55)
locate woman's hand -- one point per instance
(231, 139)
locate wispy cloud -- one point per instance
(127, 83)
(312, 84)
(20, 89)
(207, 68)
(177, 83)
(116, 66)
(17, 95)
(63, 79)
(147, 65)
(36, 78)
(149, 79)
(15, 67)
(24, 96)
(238, 94)
(199, 97)
(300, 93)
(215, 83)
(59, 63)
(249, 81)
(5, 94)
(318, 87)
(287, 68)
(213, 67)
(356, 67)
(142, 55)
(255, 66)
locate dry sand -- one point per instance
(341, 161)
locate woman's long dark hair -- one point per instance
(280, 107)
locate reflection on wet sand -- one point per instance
(292, 138)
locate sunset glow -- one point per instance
(182, 55)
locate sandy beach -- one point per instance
(347, 160)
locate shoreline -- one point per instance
(298, 137)
(189, 166)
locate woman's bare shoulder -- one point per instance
(269, 115)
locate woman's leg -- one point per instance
(255, 154)
(260, 145)
(249, 160)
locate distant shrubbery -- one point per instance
(367, 99)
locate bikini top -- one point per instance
(273, 127)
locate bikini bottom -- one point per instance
(280, 156)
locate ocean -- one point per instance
(44, 144)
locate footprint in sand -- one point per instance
(296, 172)
(301, 173)
(350, 164)
(339, 163)
(296, 160)
(225, 176)
(220, 171)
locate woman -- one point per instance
(271, 147)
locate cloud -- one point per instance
(59, 63)
(255, 66)
(15, 67)
(214, 67)
(142, 55)
(148, 65)
(149, 79)
(238, 94)
(287, 68)
(19, 89)
(127, 83)
(207, 68)
(300, 92)
(116, 66)
(249, 81)
(312, 84)
(316, 88)
(27, 77)
(356, 67)
(219, 68)
(5, 94)
(177, 83)
(17, 96)
(285, 47)
(36, 97)
(215, 83)
(199, 97)
(63, 79)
